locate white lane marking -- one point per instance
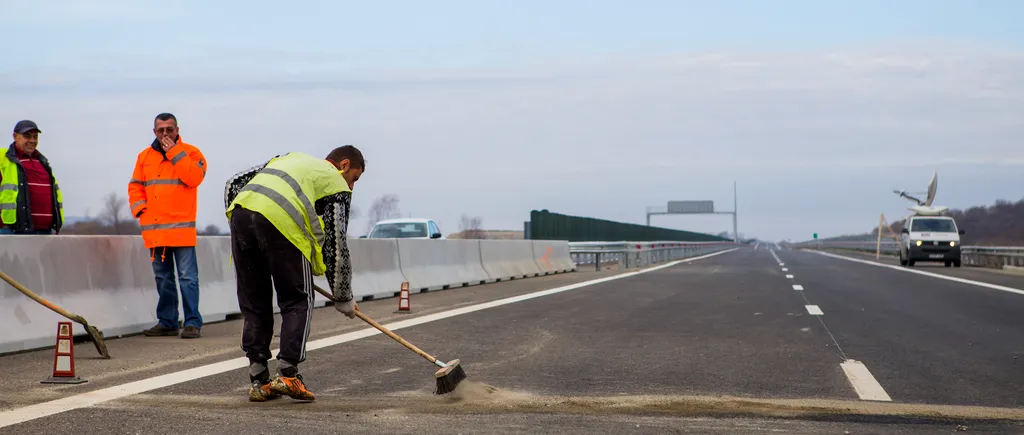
(798, 287)
(814, 310)
(863, 382)
(921, 272)
(785, 269)
(782, 264)
(789, 276)
(32, 412)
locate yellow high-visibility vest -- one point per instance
(285, 192)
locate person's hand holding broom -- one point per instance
(347, 308)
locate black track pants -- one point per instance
(260, 253)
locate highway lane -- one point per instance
(925, 339)
(725, 337)
(992, 276)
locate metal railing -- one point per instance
(996, 257)
(640, 254)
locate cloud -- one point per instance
(497, 142)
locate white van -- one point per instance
(930, 238)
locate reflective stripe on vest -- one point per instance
(8, 191)
(285, 193)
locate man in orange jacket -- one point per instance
(162, 195)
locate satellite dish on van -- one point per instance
(925, 208)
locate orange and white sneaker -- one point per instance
(291, 387)
(260, 391)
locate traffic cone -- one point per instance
(64, 358)
(404, 306)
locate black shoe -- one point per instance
(190, 332)
(160, 331)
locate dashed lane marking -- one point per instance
(814, 310)
(863, 382)
(798, 287)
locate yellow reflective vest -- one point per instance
(285, 192)
(14, 204)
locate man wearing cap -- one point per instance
(30, 198)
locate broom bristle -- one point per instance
(447, 383)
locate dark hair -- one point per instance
(354, 156)
(165, 116)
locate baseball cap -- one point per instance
(26, 126)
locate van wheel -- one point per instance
(949, 263)
(910, 263)
(956, 263)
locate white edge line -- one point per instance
(83, 400)
(863, 382)
(814, 310)
(921, 272)
(798, 287)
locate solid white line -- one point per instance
(863, 382)
(32, 412)
(814, 310)
(789, 276)
(921, 272)
(798, 287)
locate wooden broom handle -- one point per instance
(43, 302)
(379, 327)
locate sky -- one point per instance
(816, 110)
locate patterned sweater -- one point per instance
(334, 210)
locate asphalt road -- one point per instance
(718, 345)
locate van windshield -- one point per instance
(933, 226)
(399, 230)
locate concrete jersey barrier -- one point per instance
(109, 279)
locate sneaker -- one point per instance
(159, 330)
(190, 332)
(260, 391)
(291, 387)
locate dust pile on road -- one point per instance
(473, 392)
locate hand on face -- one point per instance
(166, 133)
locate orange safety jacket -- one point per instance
(162, 193)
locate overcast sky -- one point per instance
(593, 108)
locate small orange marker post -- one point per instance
(64, 358)
(404, 306)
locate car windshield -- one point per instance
(399, 230)
(933, 226)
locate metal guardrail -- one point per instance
(996, 257)
(640, 254)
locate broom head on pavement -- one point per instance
(449, 377)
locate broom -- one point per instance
(448, 376)
(95, 334)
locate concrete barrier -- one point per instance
(377, 269)
(109, 279)
(106, 279)
(508, 259)
(552, 256)
(441, 264)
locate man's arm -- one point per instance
(238, 181)
(335, 211)
(189, 167)
(137, 190)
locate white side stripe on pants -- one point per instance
(307, 286)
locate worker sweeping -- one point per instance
(288, 220)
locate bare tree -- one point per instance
(472, 228)
(384, 207)
(113, 212)
(210, 230)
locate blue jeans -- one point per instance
(164, 262)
